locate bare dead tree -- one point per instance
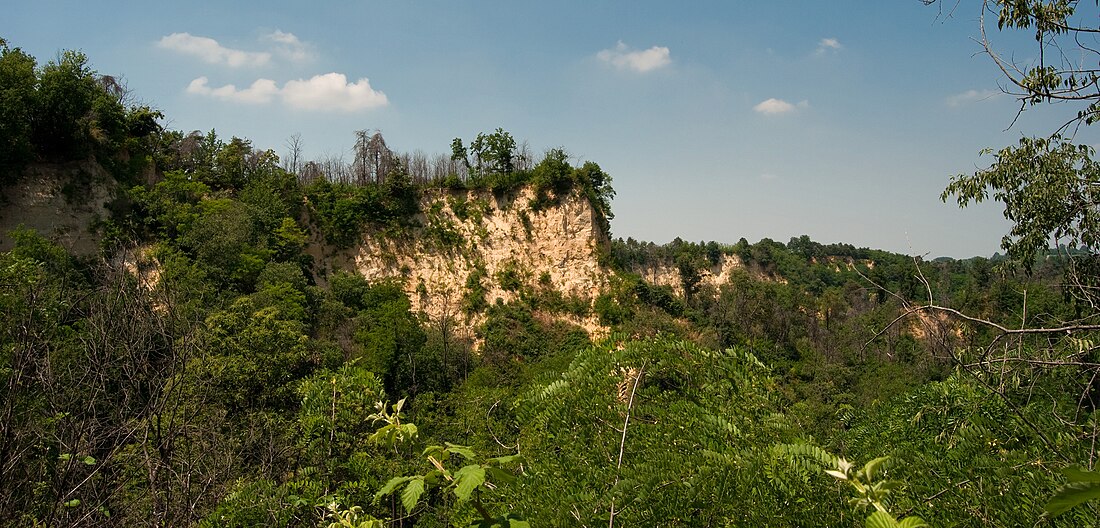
(310, 172)
(292, 162)
(524, 160)
(417, 164)
(373, 159)
(115, 86)
(335, 169)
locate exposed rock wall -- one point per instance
(557, 248)
(60, 201)
(668, 274)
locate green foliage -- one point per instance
(171, 206)
(649, 430)
(1048, 187)
(493, 153)
(510, 333)
(67, 94)
(473, 299)
(551, 177)
(289, 240)
(66, 111)
(352, 517)
(466, 483)
(393, 433)
(332, 411)
(391, 338)
(17, 104)
(872, 490)
(509, 277)
(440, 233)
(979, 457)
(224, 238)
(342, 210)
(554, 177)
(223, 387)
(261, 355)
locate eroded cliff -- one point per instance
(468, 249)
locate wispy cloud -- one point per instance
(641, 61)
(209, 50)
(827, 45)
(288, 45)
(328, 92)
(775, 106)
(972, 96)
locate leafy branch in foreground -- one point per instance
(872, 491)
(352, 517)
(394, 432)
(465, 483)
(869, 482)
(1082, 486)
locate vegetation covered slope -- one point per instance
(205, 369)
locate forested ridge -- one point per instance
(203, 369)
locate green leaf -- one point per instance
(412, 493)
(500, 476)
(1076, 474)
(64, 457)
(88, 460)
(467, 480)
(433, 451)
(872, 466)
(465, 451)
(1071, 495)
(504, 460)
(73, 503)
(881, 520)
(391, 486)
(434, 477)
(912, 522)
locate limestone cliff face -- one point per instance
(61, 201)
(464, 233)
(668, 274)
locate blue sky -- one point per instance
(717, 120)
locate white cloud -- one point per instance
(775, 106)
(827, 45)
(972, 96)
(330, 91)
(641, 61)
(261, 91)
(209, 50)
(289, 45)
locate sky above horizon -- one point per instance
(716, 119)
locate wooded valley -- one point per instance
(219, 360)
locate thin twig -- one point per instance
(622, 443)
